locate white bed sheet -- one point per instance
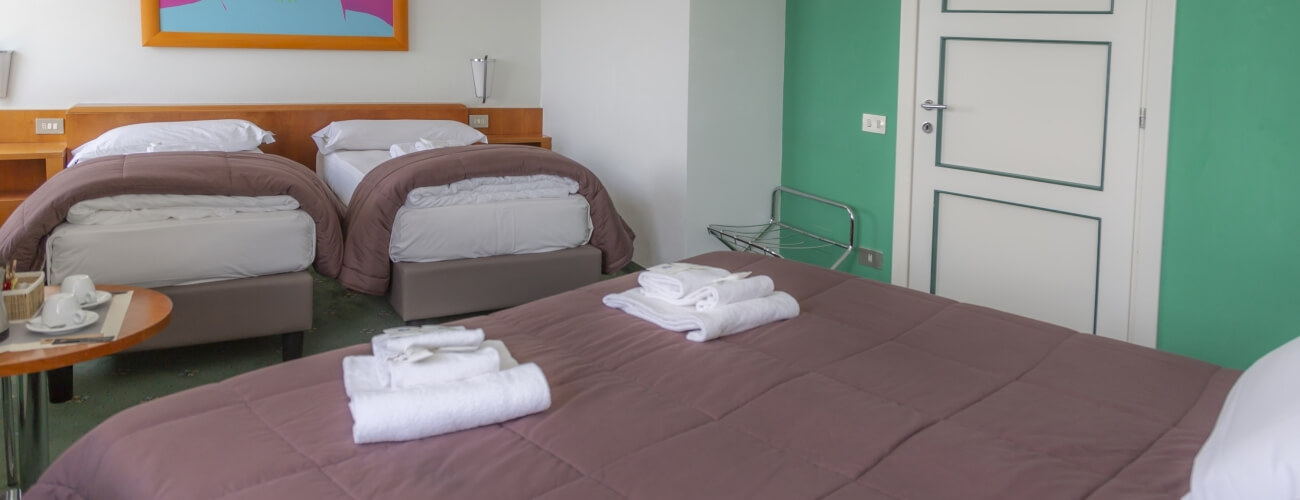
(174, 252)
(343, 170)
(464, 231)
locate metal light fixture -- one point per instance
(5, 57)
(482, 70)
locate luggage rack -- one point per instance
(772, 238)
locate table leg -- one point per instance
(8, 391)
(59, 383)
(27, 448)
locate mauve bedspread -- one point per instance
(209, 173)
(366, 263)
(873, 392)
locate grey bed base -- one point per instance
(278, 304)
(237, 309)
(432, 289)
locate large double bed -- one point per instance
(873, 391)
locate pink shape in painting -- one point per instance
(382, 9)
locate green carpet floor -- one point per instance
(108, 385)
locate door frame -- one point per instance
(1153, 152)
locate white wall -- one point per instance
(614, 87)
(88, 51)
(737, 71)
(675, 104)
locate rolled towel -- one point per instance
(733, 291)
(706, 325)
(677, 280)
(439, 409)
(699, 295)
(507, 360)
(441, 367)
(395, 341)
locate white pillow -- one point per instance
(1254, 450)
(203, 135)
(382, 134)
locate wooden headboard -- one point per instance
(292, 124)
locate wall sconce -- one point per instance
(5, 57)
(482, 70)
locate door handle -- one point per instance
(929, 105)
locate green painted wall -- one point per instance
(1229, 283)
(841, 61)
(1232, 221)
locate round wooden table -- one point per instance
(26, 390)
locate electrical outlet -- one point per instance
(873, 123)
(49, 125)
(478, 121)
(871, 258)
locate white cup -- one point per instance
(62, 309)
(80, 286)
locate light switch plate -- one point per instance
(873, 123)
(871, 258)
(45, 126)
(478, 121)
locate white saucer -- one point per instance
(38, 325)
(101, 297)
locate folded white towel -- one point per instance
(706, 325)
(394, 341)
(442, 367)
(439, 409)
(676, 280)
(364, 374)
(369, 373)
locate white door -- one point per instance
(1023, 190)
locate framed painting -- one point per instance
(275, 24)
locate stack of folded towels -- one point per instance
(705, 302)
(431, 380)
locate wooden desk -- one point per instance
(24, 388)
(541, 141)
(23, 168)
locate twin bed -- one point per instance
(244, 275)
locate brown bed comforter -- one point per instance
(369, 225)
(874, 391)
(203, 173)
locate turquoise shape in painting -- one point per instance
(272, 17)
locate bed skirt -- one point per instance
(433, 289)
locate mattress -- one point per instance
(489, 229)
(465, 231)
(173, 252)
(874, 391)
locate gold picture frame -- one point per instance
(154, 36)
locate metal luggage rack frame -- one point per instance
(771, 240)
